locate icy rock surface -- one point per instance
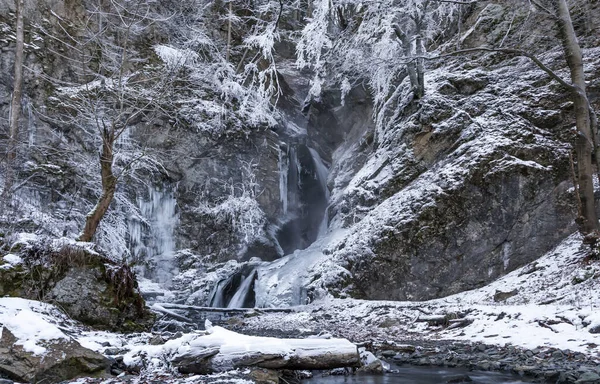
(458, 179)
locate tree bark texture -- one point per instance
(15, 105)
(584, 145)
(109, 186)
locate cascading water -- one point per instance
(240, 299)
(151, 236)
(304, 198)
(322, 174)
(237, 291)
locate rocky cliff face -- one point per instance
(464, 185)
(436, 195)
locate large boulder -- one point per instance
(88, 286)
(62, 360)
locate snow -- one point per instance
(553, 307)
(31, 322)
(11, 260)
(174, 57)
(233, 346)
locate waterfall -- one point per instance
(217, 296)
(304, 219)
(240, 298)
(236, 291)
(151, 236)
(293, 178)
(322, 173)
(283, 179)
(304, 197)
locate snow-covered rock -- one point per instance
(34, 346)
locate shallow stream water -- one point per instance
(421, 375)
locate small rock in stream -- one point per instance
(459, 379)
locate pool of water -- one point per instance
(420, 375)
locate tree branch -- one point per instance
(458, 2)
(541, 6)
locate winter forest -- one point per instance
(287, 191)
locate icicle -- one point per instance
(283, 180)
(158, 243)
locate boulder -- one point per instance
(63, 360)
(88, 286)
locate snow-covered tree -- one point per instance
(117, 89)
(378, 41)
(230, 82)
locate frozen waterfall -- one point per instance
(304, 196)
(151, 236)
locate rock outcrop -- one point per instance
(63, 360)
(88, 286)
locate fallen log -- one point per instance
(224, 310)
(237, 351)
(159, 308)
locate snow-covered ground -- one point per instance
(554, 303)
(31, 322)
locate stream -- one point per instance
(421, 375)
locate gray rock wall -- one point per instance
(466, 184)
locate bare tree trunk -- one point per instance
(411, 65)
(15, 105)
(596, 136)
(109, 185)
(229, 30)
(574, 60)
(420, 88)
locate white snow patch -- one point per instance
(11, 260)
(175, 57)
(31, 322)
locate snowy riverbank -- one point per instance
(542, 320)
